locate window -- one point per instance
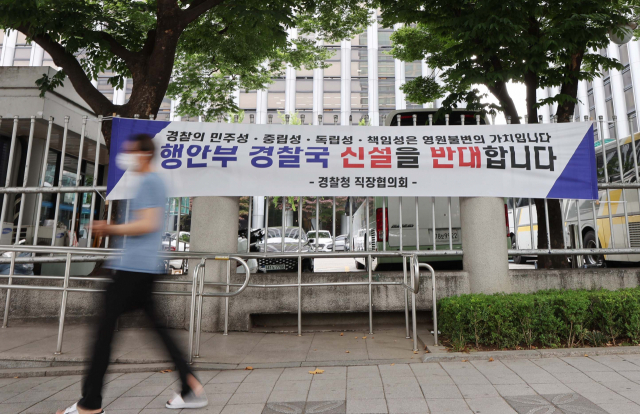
(359, 62)
(413, 69)
(105, 88)
(624, 55)
(331, 94)
(359, 40)
(386, 64)
(359, 93)
(22, 55)
(334, 69)
(304, 94)
(384, 38)
(248, 99)
(275, 97)
(387, 93)
(165, 110)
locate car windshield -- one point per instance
(289, 232)
(323, 234)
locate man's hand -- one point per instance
(101, 228)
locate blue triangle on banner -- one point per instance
(579, 179)
(121, 130)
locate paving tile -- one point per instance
(621, 408)
(14, 407)
(209, 409)
(365, 393)
(331, 373)
(364, 382)
(290, 407)
(288, 396)
(6, 395)
(514, 390)
(586, 364)
(30, 396)
(229, 376)
(221, 388)
(445, 391)
(632, 375)
(292, 385)
(49, 407)
(396, 370)
(555, 365)
(494, 405)
(571, 377)
(369, 406)
(464, 373)
(447, 405)
(551, 389)
(125, 403)
(362, 372)
(407, 405)
(338, 384)
(530, 372)
(617, 363)
(246, 387)
(402, 391)
(328, 407)
(605, 376)
(218, 399)
(573, 403)
(327, 395)
(477, 391)
(497, 373)
(622, 386)
(249, 398)
(243, 409)
(144, 391)
(296, 374)
(264, 375)
(435, 380)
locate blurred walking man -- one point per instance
(133, 278)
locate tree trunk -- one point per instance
(499, 90)
(531, 82)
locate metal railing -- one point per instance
(595, 216)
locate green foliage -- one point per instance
(48, 83)
(492, 42)
(203, 49)
(553, 318)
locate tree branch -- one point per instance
(118, 49)
(74, 71)
(196, 9)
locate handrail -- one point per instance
(433, 291)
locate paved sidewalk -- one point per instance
(591, 385)
(36, 343)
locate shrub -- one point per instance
(551, 318)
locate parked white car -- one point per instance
(325, 242)
(170, 243)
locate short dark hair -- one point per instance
(144, 141)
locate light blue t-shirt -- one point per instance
(141, 253)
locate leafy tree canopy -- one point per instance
(205, 48)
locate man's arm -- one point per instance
(148, 220)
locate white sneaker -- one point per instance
(190, 400)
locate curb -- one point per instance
(437, 355)
(80, 369)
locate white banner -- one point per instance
(223, 159)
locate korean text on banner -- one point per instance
(222, 159)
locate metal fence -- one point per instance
(375, 245)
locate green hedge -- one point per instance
(551, 318)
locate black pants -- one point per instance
(129, 291)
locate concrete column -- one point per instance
(261, 106)
(345, 81)
(290, 80)
(401, 101)
(214, 228)
(9, 48)
(634, 62)
(372, 48)
(601, 108)
(541, 93)
(37, 55)
(426, 71)
(617, 91)
(318, 92)
(583, 99)
(484, 241)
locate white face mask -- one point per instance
(126, 161)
